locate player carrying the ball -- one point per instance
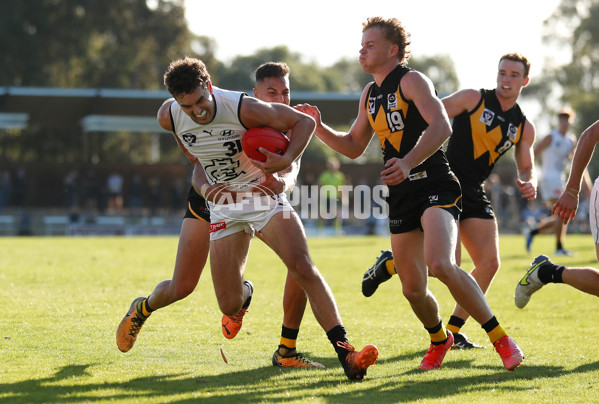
(210, 123)
(425, 198)
(272, 85)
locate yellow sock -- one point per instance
(453, 328)
(144, 309)
(496, 334)
(289, 343)
(390, 264)
(439, 336)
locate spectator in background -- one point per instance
(114, 185)
(331, 177)
(71, 188)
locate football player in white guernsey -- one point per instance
(543, 271)
(556, 149)
(272, 85)
(209, 123)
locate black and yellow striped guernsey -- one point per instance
(482, 136)
(398, 125)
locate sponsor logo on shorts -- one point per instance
(417, 176)
(214, 227)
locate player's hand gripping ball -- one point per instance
(268, 138)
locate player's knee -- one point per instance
(230, 303)
(413, 293)
(230, 307)
(490, 267)
(440, 268)
(302, 270)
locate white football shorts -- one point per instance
(551, 187)
(249, 214)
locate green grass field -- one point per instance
(61, 300)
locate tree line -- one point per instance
(129, 43)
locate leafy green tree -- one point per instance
(82, 44)
(573, 27)
(90, 43)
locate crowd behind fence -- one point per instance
(151, 199)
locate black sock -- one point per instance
(247, 302)
(534, 232)
(490, 325)
(289, 333)
(559, 246)
(456, 322)
(551, 273)
(337, 334)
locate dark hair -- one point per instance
(272, 69)
(518, 57)
(184, 76)
(394, 31)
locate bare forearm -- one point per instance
(430, 141)
(582, 157)
(301, 133)
(340, 142)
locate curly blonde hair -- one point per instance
(394, 31)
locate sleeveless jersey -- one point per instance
(398, 125)
(217, 145)
(482, 136)
(556, 155)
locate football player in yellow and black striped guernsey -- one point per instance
(401, 106)
(487, 123)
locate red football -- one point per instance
(268, 138)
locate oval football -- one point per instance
(268, 138)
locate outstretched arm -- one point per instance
(524, 155)
(351, 144)
(567, 204)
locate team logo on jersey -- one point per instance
(371, 104)
(189, 138)
(511, 132)
(487, 117)
(433, 199)
(391, 101)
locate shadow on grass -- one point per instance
(262, 384)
